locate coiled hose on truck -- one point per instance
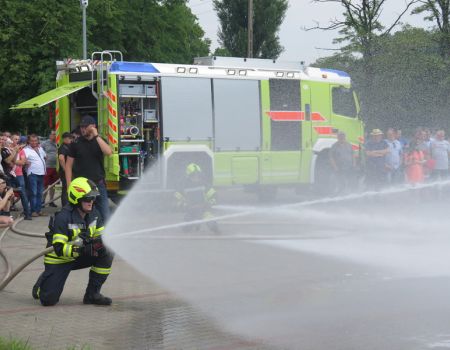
(10, 275)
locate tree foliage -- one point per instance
(410, 83)
(360, 26)
(366, 39)
(34, 34)
(438, 11)
(233, 34)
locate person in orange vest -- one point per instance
(414, 164)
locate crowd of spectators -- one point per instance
(27, 167)
(390, 159)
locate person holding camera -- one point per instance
(6, 197)
(75, 234)
(85, 159)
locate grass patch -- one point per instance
(17, 344)
(14, 344)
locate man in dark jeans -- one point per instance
(343, 163)
(85, 159)
(376, 150)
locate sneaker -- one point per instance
(53, 205)
(42, 214)
(35, 215)
(96, 299)
(28, 217)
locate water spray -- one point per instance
(297, 205)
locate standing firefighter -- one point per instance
(196, 198)
(75, 234)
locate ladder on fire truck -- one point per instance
(100, 62)
(102, 67)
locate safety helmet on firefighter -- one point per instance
(82, 189)
(193, 169)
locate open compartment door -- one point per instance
(52, 95)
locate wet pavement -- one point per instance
(350, 280)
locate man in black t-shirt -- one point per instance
(85, 159)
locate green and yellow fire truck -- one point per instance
(244, 121)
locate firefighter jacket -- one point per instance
(196, 196)
(68, 225)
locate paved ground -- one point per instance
(365, 274)
(143, 315)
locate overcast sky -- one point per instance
(300, 45)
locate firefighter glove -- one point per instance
(98, 246)
(181, 201)
(85, 250)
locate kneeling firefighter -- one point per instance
(75, 233)
(196, 198)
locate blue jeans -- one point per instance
(102, 203)
(36, 186)
(19, 182)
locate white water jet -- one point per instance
(248, 278)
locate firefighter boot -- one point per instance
(96, 299)
(92, 295)
(37, 287)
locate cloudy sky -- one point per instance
(301, 45)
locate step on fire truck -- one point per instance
(244, 121)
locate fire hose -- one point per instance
(10, 275)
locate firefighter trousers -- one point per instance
(52, 280)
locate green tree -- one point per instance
(438, 11)
(220, 51)
(34, 34)
(233, 17)
(158, 31)
(360, 26)
(361, 31)
(410, 84)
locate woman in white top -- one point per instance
(35, 174)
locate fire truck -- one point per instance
(244, 121)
